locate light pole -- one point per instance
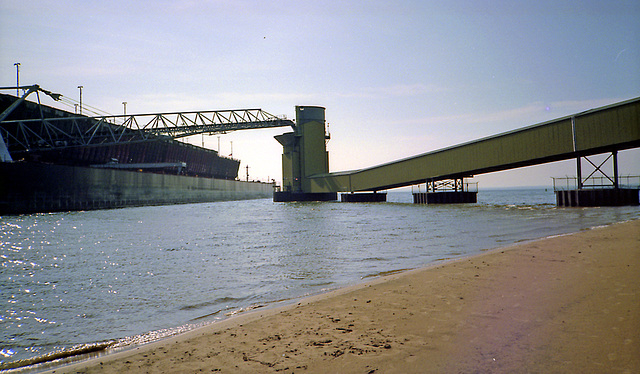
(17, 64)
(125, 107)
(80, 87)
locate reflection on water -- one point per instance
(86, 277)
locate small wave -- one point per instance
(320, 284)
(374, 259)
(221, 300)
(242, 310)
(152, 336)
(542, 206)
(181, 248)
(557, 235)
(598, 227)
(384, 273)
(56, 355)
(207, 315)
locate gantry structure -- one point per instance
(42, 129)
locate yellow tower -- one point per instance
(304, 155)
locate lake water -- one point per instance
(68, 280)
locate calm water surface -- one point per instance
(77, 278)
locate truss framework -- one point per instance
(599, 177)
(456, 185)
(75, 130)
(612, 181)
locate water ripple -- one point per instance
(72, 281)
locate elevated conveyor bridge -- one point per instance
(607, 129)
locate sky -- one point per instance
(396, 78)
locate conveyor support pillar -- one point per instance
(304, 154)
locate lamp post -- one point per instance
(124, 103)
(17, 65)
(80, 87)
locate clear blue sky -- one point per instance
(397, 78)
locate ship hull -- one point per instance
(30, 187)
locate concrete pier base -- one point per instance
(285, 196)
(373, 197)
(445, 197)
(597, 197)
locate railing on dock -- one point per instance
(445, 185)
(446, 191)
(597, 191)
(571, 183)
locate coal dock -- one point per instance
(55, 160)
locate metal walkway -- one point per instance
(607, 129)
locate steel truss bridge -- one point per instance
(47, 130)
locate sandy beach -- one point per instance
(567, 304)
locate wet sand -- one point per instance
(568, 304)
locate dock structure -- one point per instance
(55, 160)
(607, 129)
(449, 191)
